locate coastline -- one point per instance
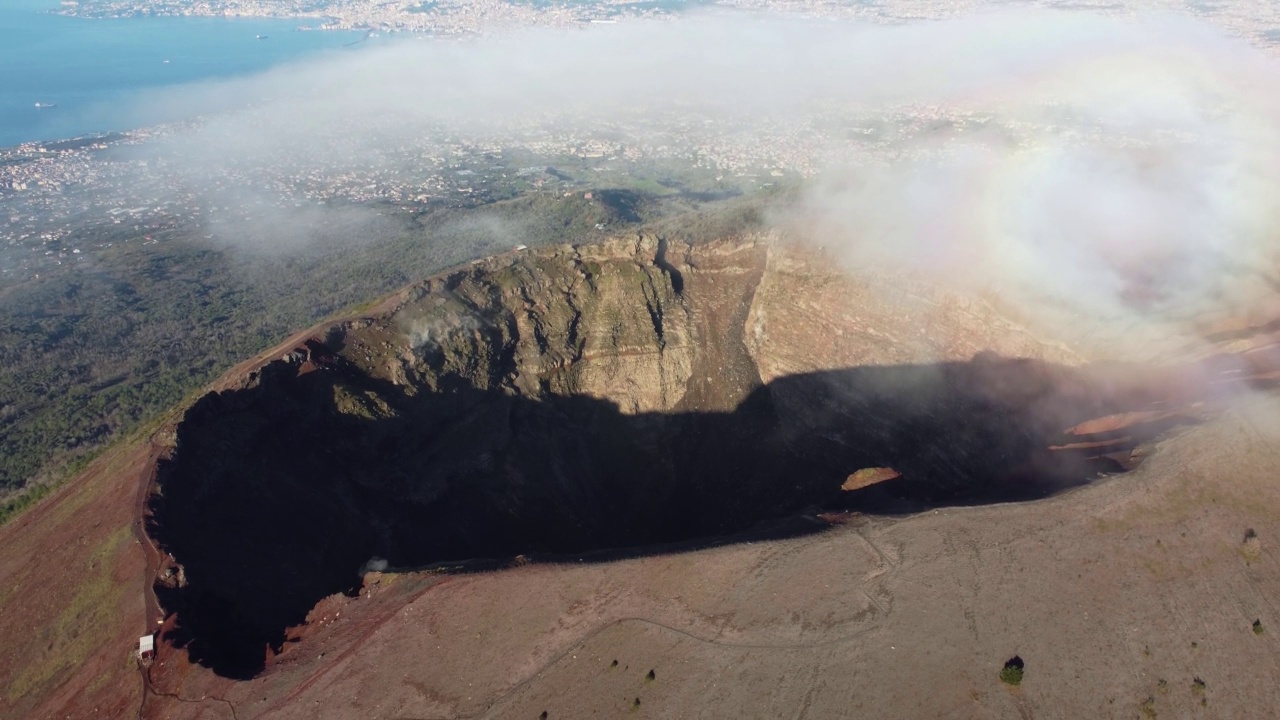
(326, 21)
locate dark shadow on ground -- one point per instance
(274, 499)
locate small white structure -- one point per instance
(146, 646)
(521, 248)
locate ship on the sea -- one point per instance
(45, 105)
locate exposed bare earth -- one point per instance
(1104, 592)
(1119, 595)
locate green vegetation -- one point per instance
(1148, 708)
(1011, 673)
(23, 500)
(651, 186)
(83, 625)
(1251, 548)
(650, 677)
(1197, 690)
(364, 404)
(1257, 627)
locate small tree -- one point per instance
(1252, 545)
(1011, 673)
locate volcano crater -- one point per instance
(633, 393)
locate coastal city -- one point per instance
(54, 193)
(1258, 21)
(50, 192)
(434, 16)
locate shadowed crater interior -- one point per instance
(580, 400)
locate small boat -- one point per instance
(263, 37)
(45, 105)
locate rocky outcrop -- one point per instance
(812, 313)
(601, 320)
(866, 477)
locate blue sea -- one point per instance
(99, 72)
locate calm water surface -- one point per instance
(102, 74)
